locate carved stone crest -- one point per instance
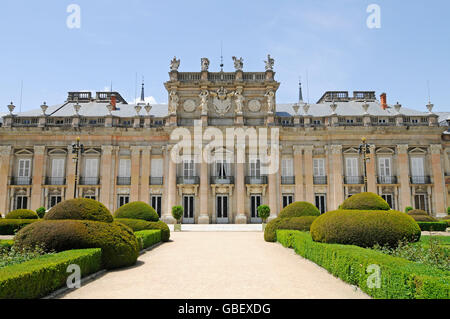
(222, 102)
(189, 106)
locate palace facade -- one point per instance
(126, 150)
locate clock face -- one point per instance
(254, 106)
(189, 106)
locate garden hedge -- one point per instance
(299, 209)
(11, 226)
(137, 210)
(433, 226)
(5, 243)
(39, 277)
(119, 245)
(421, 216)
(365, 228)
(365, 201)
(139, 224)
(80, 209)
(148, 238)
(22, 214)
(295, 223)
(400, 278)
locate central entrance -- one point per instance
(188, 205)
(255, 202)
(222, 209)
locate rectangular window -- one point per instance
(287, 200)
(417, 168)
(420, 202)
(54, 200)
(222, 169)
(24, 168)
(91, 167)
(188, 205)
(319, 167)
(255, 168)
(21, 202)
(384, 166)
(352, 166)
(389, 198)
(287, 167)
(157, 167)
(255, 201)
(58, 167)
(125, 167)
(188, 168)
(156, 204)
(321, 203)
(123, 200)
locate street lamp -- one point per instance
(364, 149)
(77, 149)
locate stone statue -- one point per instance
(173, 102)
(204, 102)
(238, 63)
(270, 101)
(205, 64)
(174, 64)
(239, 101)
(269, 63)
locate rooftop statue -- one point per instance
(205, 64)
(238, 63)
(174, 64)
(269, 63)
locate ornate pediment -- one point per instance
(417, 150)
(385, 150)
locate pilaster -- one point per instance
(336, 183)
(309, 170)
(5, 160)
(38, 174)
(145, 174)
(135, 172)
(403, 167)
(371, 174)
(107, 176)
(438, 180)
(298, 168)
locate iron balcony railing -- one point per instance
(89, 181)
(55, 181)
(222, 180)
(257, 180)
(21, 181)
(189, 180)
(387, 180)
(320, 180)
(420, 180)
(156, 180)
(123, 180)
(349, 180)
(288, 180)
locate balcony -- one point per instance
(188, 180)
(353, 180)
(156, 180)
(89, 181)
(288, 180)
(123, 180)
(256, 180)
(224, 180)
(21, 181)
(386, 180)
(420, 180)
(55, 181)
(320, 180)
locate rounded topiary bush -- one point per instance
(365, 201)
(365, 228)
(22, 214)
(421, 216)
(299, 209)
(295, 223)
(270, 232)
(80, 209)
(139, 224)
(119, 245)
(137, 210)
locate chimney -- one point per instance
(383, 99)
(113, 102)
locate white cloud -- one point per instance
(147, 99)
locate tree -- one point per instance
(263, 212)
(177, 213)
(41, 212)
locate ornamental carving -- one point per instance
(254, 106)
(189, 106)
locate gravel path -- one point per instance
(209, 265)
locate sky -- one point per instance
(327, 43)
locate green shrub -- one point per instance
(299, 209)
(177, 212)
(39, 277)
(433, 226)
(365, 201)
(295, 223)
(148, 238)
(448, 210)
(408, 208)
(22, 214)
(118, 243)
(417, 212)
(80, 209)
(41, 212)
(423, 218)
(139, 224)
(137, 210)
(6, 243)
(263, 212)
(365, 228)
(400, 278)
(11, 226)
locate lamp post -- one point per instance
(364, 149)
(77, 149)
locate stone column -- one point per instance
(438, 180)
(274, 183)
(298, 171)
(38, 174)
(70, 179)
(204, 185)
(135, 172)
(5, 160)
(171, 187)
(309, 171)
(336, 183)
(107, 176)
(241, 217)
(371, 171)
(403, 167)
(145, 174)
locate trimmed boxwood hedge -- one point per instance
(365, 201)
(400, 278)
(80, 209)
(433, 226)
(421, 216)
(148, 238)
(137, 210)
(119, 245)
(365, 228)
(299, 209)
(139, 224)
(295, 223)
(40, 276)
(22, 214)
(11, 226)
(6, 243)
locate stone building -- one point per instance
(126, 154)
